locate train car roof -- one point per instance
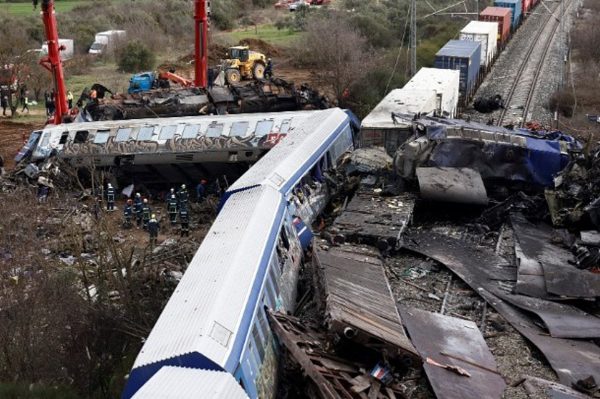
(206, 320)
(459, 48)
(414, 97)
(287, 162)
(183, 383)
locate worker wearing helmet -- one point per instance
(172, 209)
(182, 196)
(127, 213)
(146, 213)
(137, 208)
(110, 198)
(153, 228)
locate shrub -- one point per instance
(136, 57)
(563, 102)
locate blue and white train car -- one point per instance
(215, 321)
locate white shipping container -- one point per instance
(485, 33)
(66, 53)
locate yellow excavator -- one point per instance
(243, 63)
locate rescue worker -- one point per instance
(146, 212)
(137, 208)
(269, 69)
(201, 190)
(110, 198)
(153, 228)
(4, 102)
(172, 209)
(183, 197)
(127, 212)
(184, 220)
(70, 99)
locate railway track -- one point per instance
(523, 88)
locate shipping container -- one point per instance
(526, 5)
(503, 16)
(464, 56)
(431, 91)
(516, 6)
(485, 33)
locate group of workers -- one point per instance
(138, 208)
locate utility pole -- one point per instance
(413, 37)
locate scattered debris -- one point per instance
(462, 185)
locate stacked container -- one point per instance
(503, 16)
(464, 56)
(486, 34)
(516, 6)
(526, 6)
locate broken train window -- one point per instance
(101, 136)
(123, 134)
(63, 138)
(285, 126)
(81, 136)
(167, 132)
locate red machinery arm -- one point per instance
(175, 78)
(53, 63)
(201, 43)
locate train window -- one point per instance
(270, 294)
(214, 130)
(284, 239)
(45, 139)
(145, 133)
(238, 129)
(101, 136)
(81, 136)
(263, 128)
(190, 131)
(63, 138)
(262, 323)
(285, 126)
(258, 342)
(167, 132)
(123, 134)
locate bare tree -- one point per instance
(339, 51)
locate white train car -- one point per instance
(431, 91)
(215, 322)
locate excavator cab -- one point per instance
(244, 63)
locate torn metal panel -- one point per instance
(371, 219)
(561, 278)
(540, 388)
(359, 301)
(461, 185)
(332, 377)
(571, 359)
(459, 344)
(530, 275)
(563, 321)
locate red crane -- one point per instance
(201, 43)
(53, 63)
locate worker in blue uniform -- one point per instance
(201, 190)
(110, 198)
(137, 209)
(127, 212)
(182, 196)
(184, 220)
(172, 209)
(146, 213)
(153, 228)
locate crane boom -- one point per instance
(201, 43)
(52, 61)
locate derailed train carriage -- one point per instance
(213, 334)
(170, 149)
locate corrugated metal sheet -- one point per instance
(464, 56)
(485, 33)
(183, 383)
(501, 15)
(205, 311)
(418, 95)
(516, 8)
(294, 151)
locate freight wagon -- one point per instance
(516, 7)
(464, 56)
(485, 33)
(503, 16)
